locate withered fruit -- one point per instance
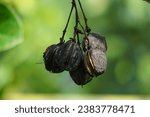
(95, 48)
(80, 76)
(68, 56)
(83, 63)
(49, 56)
(95, 62)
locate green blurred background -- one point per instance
(39, 23)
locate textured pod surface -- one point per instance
(69, 56)
(56, 67)
(75, 58)
(80, 76)
(94, 40)
(48, 56)
(99, 61)
(95, 48)
(95, 62)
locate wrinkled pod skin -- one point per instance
(95, 62)
(63, 56)
(49, 55)
(94, 40)
(95, 48)
(80, 76)
(69, 55)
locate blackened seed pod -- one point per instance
(95, 61)
(74, 58)
(69, 56)
(57, 68)
(48, 56)
(80, 76)
(94, 40)
(64, 54)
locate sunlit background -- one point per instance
(124, 23)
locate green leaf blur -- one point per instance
(126, 26)
(10, 29)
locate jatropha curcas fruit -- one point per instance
(49, 55)
(63, 56)
(80, 76)
(95, 48)
(69, 55)
(82, 61)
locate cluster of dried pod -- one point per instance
(82, 61)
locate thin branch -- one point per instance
(76, 20)
(83, 29)
(64, 31)
(85, 18)
(76, 30)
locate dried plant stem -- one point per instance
(85, 18)
(64, 31)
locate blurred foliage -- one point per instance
(10, 30)
(147, 0)
(125, 24)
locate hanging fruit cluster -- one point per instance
(82, 61)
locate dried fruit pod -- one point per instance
(56, 67)
(94, 40)
(49, 56)
(95, 48)
(80, 76)
(69, 55)
(75, 58)
(95, 61)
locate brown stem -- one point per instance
(64, 31)
(85, 18)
